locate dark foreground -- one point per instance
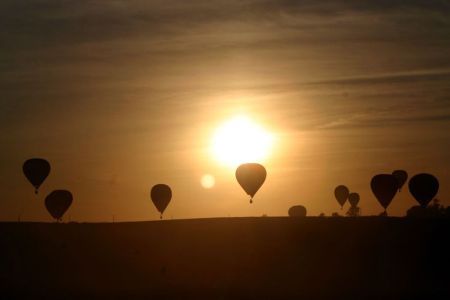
(243, 258)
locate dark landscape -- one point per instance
(245, 258)
(225, 149)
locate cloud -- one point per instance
(98, 54)
(47, 23)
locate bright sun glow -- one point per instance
(240, 140)
(207, 181)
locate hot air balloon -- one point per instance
(341, 193)
(161, 195)
(36, 171)
(297, 211)
(251, 177)
(353, 199)
(384, 187)
(423, 187)
(57, 203)
(401, 177)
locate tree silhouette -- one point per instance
(353, 211)
(436, 210)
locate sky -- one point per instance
(122, 95)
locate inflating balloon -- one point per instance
(36, 171)
(57, 203)
(297, 211)
(401, 177)
(341, 193)
(161, 195)
(423, 187)
(353, 199)
(251, 177)
(384, 187)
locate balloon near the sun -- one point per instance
(240, 140)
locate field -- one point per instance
(229, 258)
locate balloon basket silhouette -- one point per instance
(341, 193)
(161, 194)
(423, 187)
(251, 177)
(36, 170)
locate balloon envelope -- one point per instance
(251, 177)
(341, 193)
(423, 187)
(57, 203)
(384, 187)
(353, 199)
(36, 171)
(297, 211)
(401, 177)
(161, 195)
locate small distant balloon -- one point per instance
(297, 211)
(58, 202)
(353, 199)
(36, 170)
(401, 177)
(161, 194)
(341, 193)
(251, 177)
(384, 187)
(423, 187)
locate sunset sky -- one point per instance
(122, 95)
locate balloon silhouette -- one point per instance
(57, 203)
(297, 211)
(353, 199)
(384, 187)
(423, 187)
(161, 195)
(341, 193)
(401, 177)
(36, 171)
(251, 177)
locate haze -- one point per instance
(121, 95)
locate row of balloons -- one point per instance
(250, 176)
(423, 187)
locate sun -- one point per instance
(240, 140)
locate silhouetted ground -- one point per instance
(245, 258)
